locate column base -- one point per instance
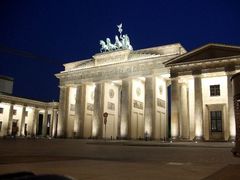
(198, 139)
(174, 138)
(231, 139)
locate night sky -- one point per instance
(37, 37)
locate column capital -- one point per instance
(62, 87)
(175, 79)
(196, 72)
(173, 74)
(229, 68)
(230, 73)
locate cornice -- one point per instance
(27, 102)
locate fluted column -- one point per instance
(149, 110)
(10, 118)
(63, 111)
(98, 111)
(184, 118)
(80, 109)
(174, 109)
(126, 108)
(22, 122)
(198, 116)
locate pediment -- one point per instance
(209, 51)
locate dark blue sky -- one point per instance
(61, 31)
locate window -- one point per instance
(214, 90)
(0, 125)
(216, 121)
(1, 110)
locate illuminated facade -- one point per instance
(32, 118)
(202, 98)
(133, 87)
(130, 85)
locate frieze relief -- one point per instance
(160, 103)
(111, 106)
(110, 73)
(90, 107)
(138, 104)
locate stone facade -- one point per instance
(32, 118)
(133, 87)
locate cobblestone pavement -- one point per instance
(98, 159)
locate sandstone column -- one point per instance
(198, 116)
(63, 111)
(119, 112)
(236, 95)
(45, 123)
(231, 118)
(80, 109)
(10, 118)
(174, 109)
(98, 111)
(184, 118)
(54, 123)
(149, 110)
(126, 107)
(22, 121)
(35, 121)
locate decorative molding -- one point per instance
(161, 103)
(138, 104)
(111, 106)
(90, 107)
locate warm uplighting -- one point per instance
(123, 128)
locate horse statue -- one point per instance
(104, 46)
(126, 42)
(121, 42)
(118, 43)
(110, 45)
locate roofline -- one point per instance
(31, 102)
(204, 61)
(6, 78)
(197, 49)
(160, 46)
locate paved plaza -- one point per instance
(97, 159)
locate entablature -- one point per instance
(115, 72)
